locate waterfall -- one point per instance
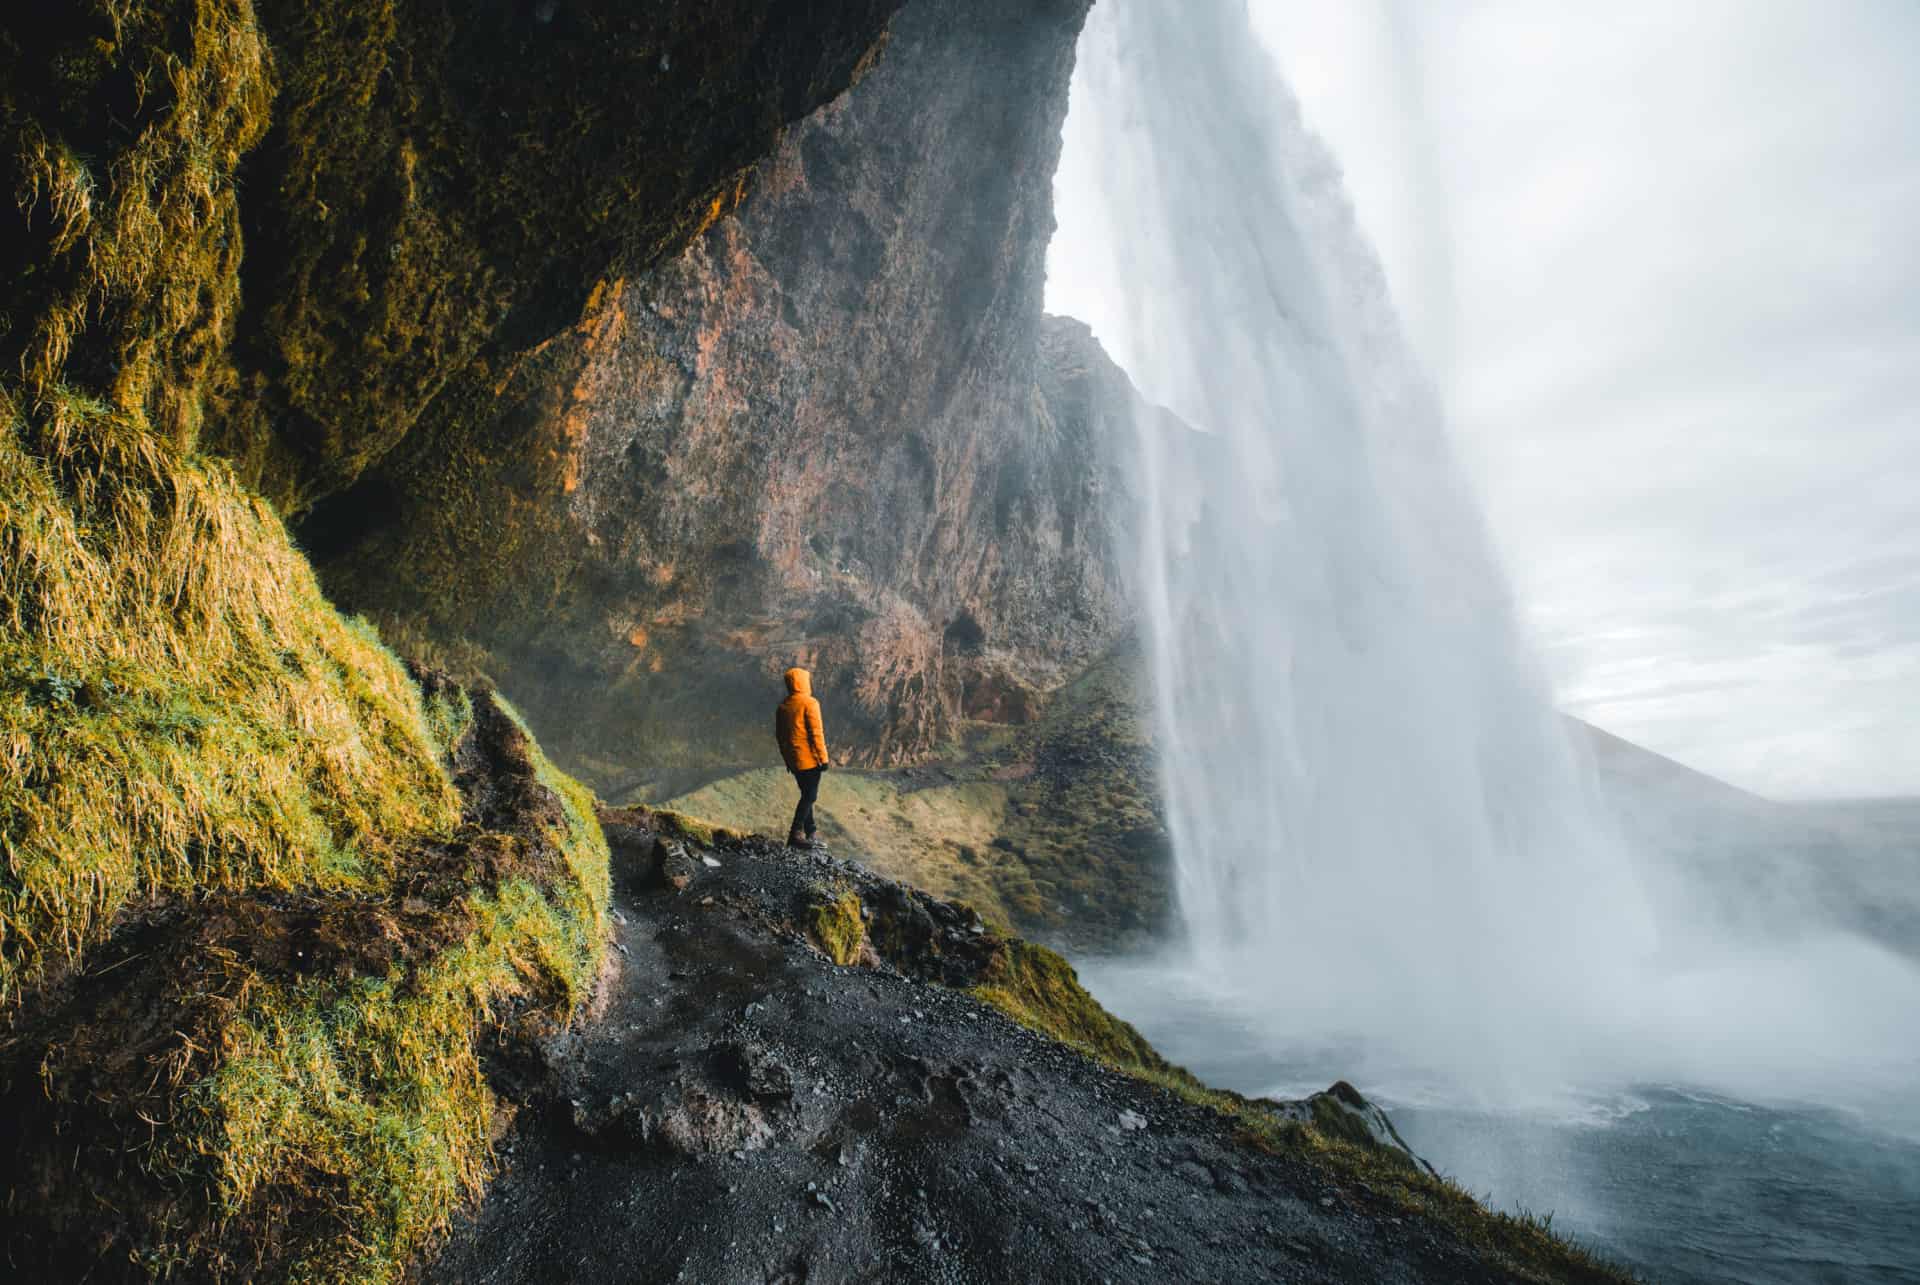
(1381, 832)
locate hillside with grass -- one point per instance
(1052, 828)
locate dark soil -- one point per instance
(745, 1110)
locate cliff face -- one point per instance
(820, 436)
(270, 913)
(439, 184)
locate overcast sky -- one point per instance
(1663, 260)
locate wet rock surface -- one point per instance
(745, 1110)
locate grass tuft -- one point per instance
(839, 928)
(180, 709)
(364, 1105)
(692, 828)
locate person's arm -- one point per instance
(817, 731)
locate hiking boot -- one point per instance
(797, 840)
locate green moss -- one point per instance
(182, 712)
(1040, 990)
(232, 730)
(587, 896)
(449, 713)
(364, 1105)
(338, 1119)
(839, 928)
(692, 828)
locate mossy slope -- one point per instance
(303, 1068)
(265, 909)
(179, 707)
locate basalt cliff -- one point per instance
(408, 411)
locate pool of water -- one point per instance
(1682, 1184)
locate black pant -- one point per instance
(809, 783)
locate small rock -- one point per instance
(1132, 1121)
(674, 866)
(619, 918)
(821, 1199)
(710, 862)
(622, 948)
(1326, 1202)
(1194, 1172)
(706, 901)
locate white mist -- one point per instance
(1381, 833)
(1386, 849)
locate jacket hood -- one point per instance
(799, 682)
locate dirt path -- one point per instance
(745, 1110)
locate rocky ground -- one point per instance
(746, 1109)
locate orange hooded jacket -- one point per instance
(797, 725)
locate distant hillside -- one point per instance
(1757, 868)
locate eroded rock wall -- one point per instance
(441, 183)
(820, 436)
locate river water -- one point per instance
(1682, 1182)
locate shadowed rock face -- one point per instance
(823, 436)
(443, 184)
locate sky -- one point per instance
(1663, 263)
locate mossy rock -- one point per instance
(839, 928)
(315, 1054)
(1038, 988)
(441, 187)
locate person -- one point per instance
(803, 744)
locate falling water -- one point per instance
(1380, 830)
(1386, 847)
(1391, 865)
